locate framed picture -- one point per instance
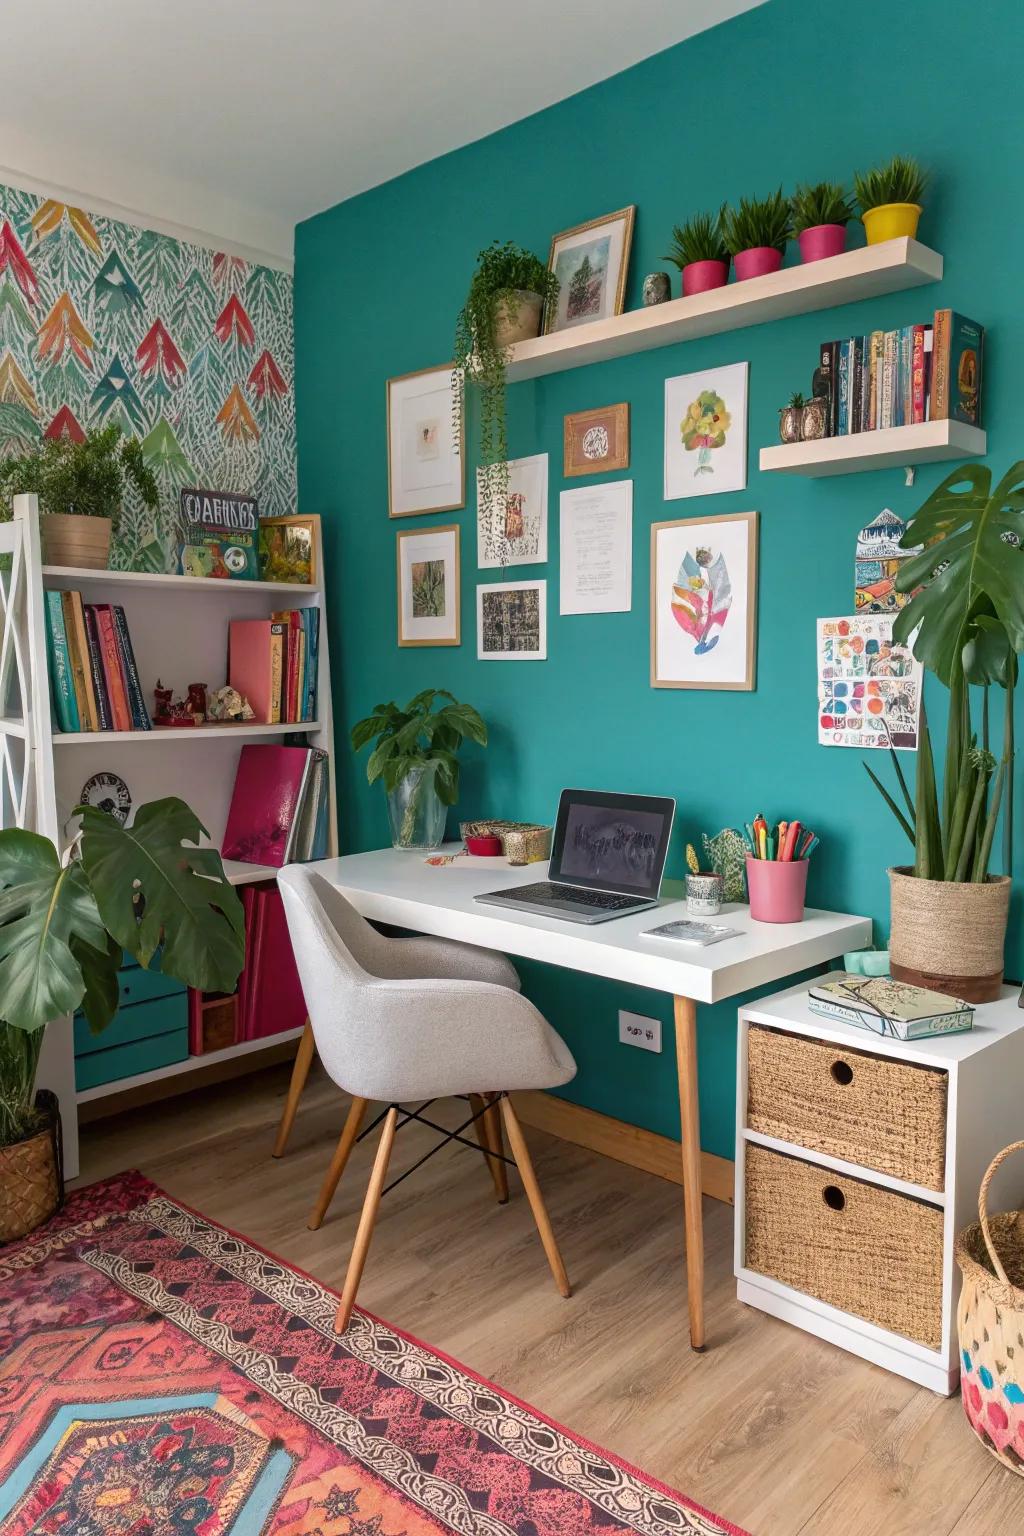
(595, 441)
(426, 462)
(704, 602)
(428, 587)
(287, 548)
(516, 531)
(512, 621)
(706, 432)
(590, 263)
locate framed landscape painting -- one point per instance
(428, 587)
(426, 461)
(704, 602)
(590, 262)
(706, 432)
(511, 621)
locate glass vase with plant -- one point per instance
(819, 215)
(756, 234)
(698, 250)
(965, 623)
(415, 757)
(889, 198)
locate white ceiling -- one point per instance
(241, 117)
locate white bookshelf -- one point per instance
(179, 631)
(924, 442)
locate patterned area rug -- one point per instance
(161, 1376)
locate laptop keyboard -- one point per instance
(547, 894)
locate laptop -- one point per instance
(607, 858)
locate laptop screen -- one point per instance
(611, 842)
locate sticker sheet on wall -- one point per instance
(869, 686)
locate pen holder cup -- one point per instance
(777, 889)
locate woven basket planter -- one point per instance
(990, 1318)
(948, 934)
(32, 1175)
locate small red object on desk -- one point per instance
(484, 847)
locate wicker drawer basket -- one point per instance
(871, 1110)
(863, 1249)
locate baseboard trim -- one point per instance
(626, 1143)
(184, 1082)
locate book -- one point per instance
(957, 353)
(78, 655)
(264, 801)
(130, 672)
(255, 659)
(906, 413)
(273, 998)
(918, 375)
(219, 534)
(110, 655)
(856, 381)
(300, 833)
(825, 382)
(291, 664)
(684, 932)
(887, 392)
(64, 701)
(311, 623)
(99, 682)
(888, 1007)
(876, 348)
(929, 352)
(843, 376)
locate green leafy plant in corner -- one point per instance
(826, 202)
(87, 478)
(756, 222)
(699, 239)
(901, 181)
(421, 739)
(966, 622)
(65, 922)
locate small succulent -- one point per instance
(692, 861)
(797, 401)
(757, 222)
(901, 181)
(826, 202)
(699, 239)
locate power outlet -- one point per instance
(635, 1029)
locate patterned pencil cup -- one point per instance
(777, 889)
(704, 895)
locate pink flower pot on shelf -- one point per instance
(756, 262)
(821, 241)
(777, 889)
(701, 276)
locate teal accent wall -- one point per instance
(778, 95)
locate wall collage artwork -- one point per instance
(188, 349)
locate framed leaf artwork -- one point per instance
(706, 432)
(596, 441)
(704, 602)
(428, 587)
(426, 458)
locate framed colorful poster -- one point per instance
(511, 621)
(287, 548)
(869, 686)
(512, 525)
(706, 432)
(596, 441)
(428, 587)
(590, 263)
(704, 602)
(426, 461)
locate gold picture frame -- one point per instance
(583, 293)
(673, 663)
(585, 433)
(416, 584)
(445, 492)
(292, 556)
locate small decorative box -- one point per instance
(522, 842)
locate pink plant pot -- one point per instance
(700, 276)
(758, 261)
(822, 240)
(777, 889)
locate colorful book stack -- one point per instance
(273, 663)
(94, 679)
(897, 378)
(278, 812)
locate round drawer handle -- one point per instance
(834, 1197)
(842, 1073)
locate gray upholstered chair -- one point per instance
(400, 1020)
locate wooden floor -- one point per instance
(777, 1432)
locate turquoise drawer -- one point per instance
(126, 1060)
(140, 986)
(131, 1025)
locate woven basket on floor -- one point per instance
(991, 1322)
(32, 1175)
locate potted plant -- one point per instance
(791, 419)
(415, 757)
(819, 217)
(756, 234)
(890, 199)
(80, 486)
(504, 305)
(966, 623)
(698, 250)
(63, 926)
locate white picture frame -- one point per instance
(705, 447)
(426, 453)
(515, 533)
(704, 602)
(502, 625)
(428, 578)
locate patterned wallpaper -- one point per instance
(188, 349)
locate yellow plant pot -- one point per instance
(891, 221)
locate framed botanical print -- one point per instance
(704, 602)
(426, 458)
(590, 262)
(706, 432)
(596, 441)
(511, 621)
(287, 548)
(428, 587)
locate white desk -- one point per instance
(399, 888)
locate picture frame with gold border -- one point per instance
(426, 451)
(591, 262)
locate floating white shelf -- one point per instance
(862, 274)
(926, 442)
(77, 576)
(195, 733)
(190, 1064)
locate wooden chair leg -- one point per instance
(488, 1134)
(300, 1071)
(346, 1142)
(364, 1232)
(521, 1153)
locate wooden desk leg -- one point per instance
(689, 1115)
(300, 1071)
